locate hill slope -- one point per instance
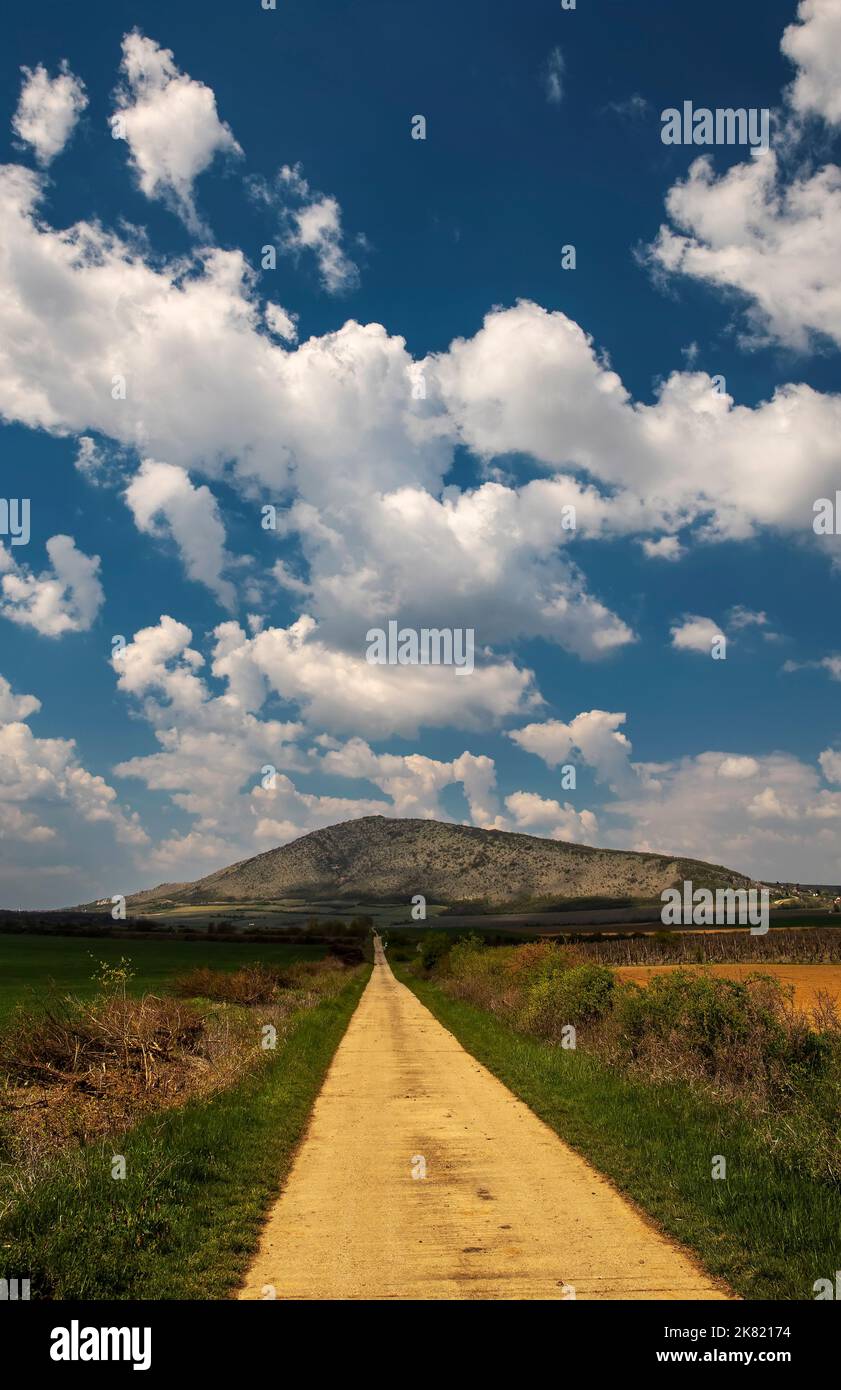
(377, 857)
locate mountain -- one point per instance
(378, 858)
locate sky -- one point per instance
(313, 321)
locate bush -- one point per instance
(432, 950)
(253, 984)
(578, 995)
(740, 1034)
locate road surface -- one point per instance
(505, 1210)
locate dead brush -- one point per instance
(259, 983)
(251, 984)
(80, 1043)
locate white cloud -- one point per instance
(774, 242)
(281, 323)
(499, 566)
(311, 221)
(538, 815)
(65, 598)
(830, 761)
(341, 692)
(665, 548)
(163, 499)
(770, 236)
(213, 751)
(766, 815)
(738, 768)
(48, 110)
(171, 125)
(832, 664)
(634, 107)
(741, 617)
(553, 77)
(333, 422)
(766, 805)
(531, 382)
(594, 735)
(413, 782)
(814, 45)
(698, 808)
(45, 774)
(695, 634)
(14, 708)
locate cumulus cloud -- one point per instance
(312, 222)
(769, 236)
(664, 548)
(413, 782)
(163, 500)
(532, 382)
(594, 735)
(695, 634)
(170, 124)
(333, 424)
(830, 762)
(813, 44)
(40, 777)
(229, 768)
(738, 768)
(500, 566)
(774, 242)
(767, 815)
(340, 691)
(14, 708)
(48, 110)
(539, 815)
(64, 598)
(774, 819)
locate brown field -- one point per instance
(807, 980)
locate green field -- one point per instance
(31, 966)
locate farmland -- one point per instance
(33, 966)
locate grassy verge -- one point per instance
(185, 1220)
(768, 1230)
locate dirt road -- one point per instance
(505, 1210)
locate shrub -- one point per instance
(434, 947)
(578, 995)
(252, 984)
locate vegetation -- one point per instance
(185, 1220)
(741, 1041)
(33, 968)
(768, 1230)
(652, 1083)
(804, 946)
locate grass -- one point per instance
(769, 1230)
(185, 1221)
(30, 964)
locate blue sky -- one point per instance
(679, 388)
